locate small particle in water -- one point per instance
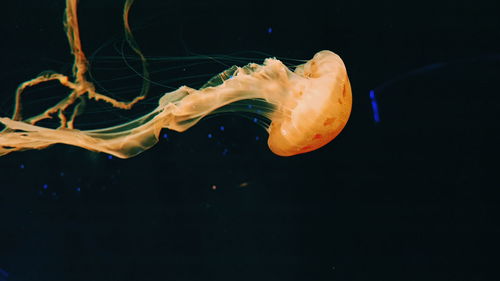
(243, 184)
(214, 187)
(110, 157)
(209, 136)
(45, 186)
(249, 106)
(257, 138)
(269, 30)
(77, 189)
(255, 120)
(221, 128)
(61, 174)
(225, 151)
(165, 136)
(21, 166)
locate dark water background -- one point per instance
(412, 197)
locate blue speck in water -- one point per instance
(249, 106)
(257, 138)
(45, 186)
(209, 136)
(225, 151)
(21, 166)
(221, 128)
(255, 120)
(110, 157)
(270, 30)
(165, 136)
(376, 116)
(78, 189)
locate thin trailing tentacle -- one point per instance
(80, 86)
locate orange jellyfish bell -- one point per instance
(317, 110)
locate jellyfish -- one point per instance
(309, 106)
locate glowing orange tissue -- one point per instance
(308, 106)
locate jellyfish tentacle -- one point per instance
(80, 86)
(135, 47)
(17, 115)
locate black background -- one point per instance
(413, 197)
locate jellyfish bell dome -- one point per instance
(316, 110)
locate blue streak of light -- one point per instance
(376, 116)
